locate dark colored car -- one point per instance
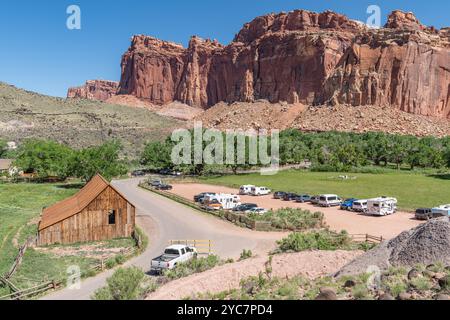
(424, 214)
(303, 198)
(347, 204)
(201, 196)
(138, 173)
(164, 187)
(244, 207)
(165, 172)
(290, 196)
(279, 195)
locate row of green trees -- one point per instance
(52, 159)
(331, 151)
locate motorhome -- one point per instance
(381, 206)
(329, 200)
(359, 206)
(260, 191)
(246, 189)
(221, 202)
(441, 211)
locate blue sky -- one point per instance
(39, 53)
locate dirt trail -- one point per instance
(388, 227)
(311, 264)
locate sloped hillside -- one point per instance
(78, 123)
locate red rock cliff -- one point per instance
(94, 90)
(300, 56)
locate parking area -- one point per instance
(354, 223)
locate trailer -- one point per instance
(441, 211)
(221, 202)
(382, 206)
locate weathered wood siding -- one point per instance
(92, 223)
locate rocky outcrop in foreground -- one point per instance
(94, 90)
(300, 57)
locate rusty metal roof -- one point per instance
(75, 204)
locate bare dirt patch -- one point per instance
(94, 251)
(311, 264)
(388, 227)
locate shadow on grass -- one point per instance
(444, 176)
(71, 186)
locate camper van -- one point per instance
(244, 190)
(329, 200)
(381, 206)
(441, 211)
(221, 202)
(260, 191)
(359, 206)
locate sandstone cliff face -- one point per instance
(94, 90)
(300, 56)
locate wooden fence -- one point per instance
(366, 238)
(30, 241)
(202, 246)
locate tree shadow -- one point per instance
(71, 186)
(444, 176)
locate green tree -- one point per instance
(45, 158)
(104, 160)
(3, 148)
(156, 155)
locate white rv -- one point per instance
(359, 205)
(441, 211)
(381, 206)
(246, 189)
(221, 201)
(329, 200)
(260, 191)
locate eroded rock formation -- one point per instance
(94, 90)
(300, 57)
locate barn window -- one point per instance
(112, 217)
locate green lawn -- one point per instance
(20, 208)
(413, 190)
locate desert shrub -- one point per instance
(421, 284)
(360, 292)
(292, 219)
(246, 254)
(193, 266)
(318, 240)
(124, 284)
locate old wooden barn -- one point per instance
(97, 212)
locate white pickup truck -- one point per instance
(172, 256)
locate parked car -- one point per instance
(329, 200)
(222, 201)
(279, 195)
(164, 187)
(290, 196)
(201, 196)
(246, 189)
(165, 172)
(156, 183)
(257, 211)
(260, 191)
(303, 198)
(359, 206)
(245, 207)
(138, 173)
(315, 199)
(347, 204)
(424, 214)
(173, 256)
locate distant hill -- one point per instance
(78, 123)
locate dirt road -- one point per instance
(164, 220)
(388, 227)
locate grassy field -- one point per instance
(413, 190)
(78, 123)
(20, 207)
